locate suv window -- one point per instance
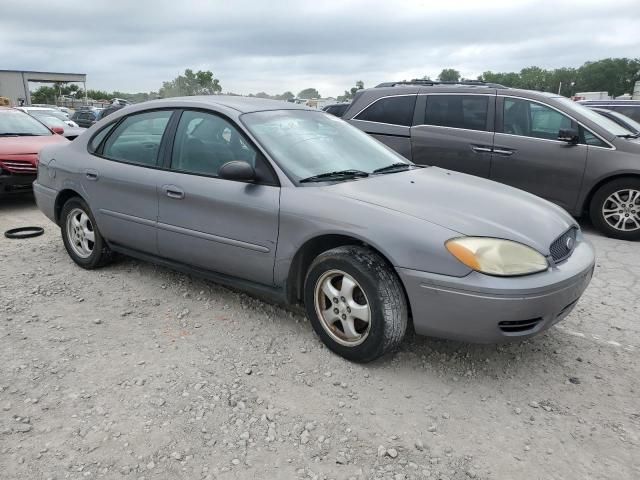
(393, 110)
(204, 142)
(137, 138)
(530, 119)
(459, 111)
(628, 110)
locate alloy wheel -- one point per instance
(343, 308)
(80, 233)
(621, 210)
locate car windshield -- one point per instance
(609, 125)
(306, 143)
(52, 121)
(623, 118)
(47, 113)
(14, 122)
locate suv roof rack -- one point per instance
(418, 81)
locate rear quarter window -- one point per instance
(393, 110)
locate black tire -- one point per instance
(101, 254)
(382, 291)
(600, 198)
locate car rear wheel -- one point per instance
(356, 303)
(615, 209)
(81, 236)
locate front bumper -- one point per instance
(484, 309)
(15, 183)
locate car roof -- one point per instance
(238, 103)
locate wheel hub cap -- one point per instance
(343, 308)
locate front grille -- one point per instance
(562, 247)
(18, 166)
(519, 326)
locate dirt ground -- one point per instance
(137, 372)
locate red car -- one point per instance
(21, 138)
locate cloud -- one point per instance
(280, 45)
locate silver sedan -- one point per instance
(298, 205)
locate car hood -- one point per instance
(466, 204)
(27, 145)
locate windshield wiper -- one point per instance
(630, 135)
(339, 174)
(394, 166)
(16, 134)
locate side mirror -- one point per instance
(237, 170)
(57, 130)
(569, 135)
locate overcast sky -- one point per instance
(275, 46)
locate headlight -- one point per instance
(495, 256)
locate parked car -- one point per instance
(85, 118)
(294, 203)
(70, 133)
(21, 138)
(538, 142)
(336, 109)
(622, 120)
(108, 111)
(630, 108)
(49, 112)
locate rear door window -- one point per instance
(458, 111)
(137, 138)
(393, 110)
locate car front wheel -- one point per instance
(615, 209)
(81, 236)
(356, 303)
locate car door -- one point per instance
(225, 226)
(389, 120)
(528, 155)
(121, 179)
(455, 132)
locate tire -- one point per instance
(621, 200)
(94, 253)
(357, 277)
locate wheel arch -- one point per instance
(62, 198)
(313, 247)
(586, 204)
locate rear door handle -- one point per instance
(504, 151)
(91, 174)
(481, 149)
(173, 191)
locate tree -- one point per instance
(286, 96)
(449, 75)
(349, 94)
(198, 83)
(309, 93)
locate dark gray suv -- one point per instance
(539, 142)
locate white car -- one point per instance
(48, 112)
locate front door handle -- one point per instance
(503, 151)
(481, 149)
(91, 174)
(173, 191)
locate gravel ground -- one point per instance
(135, 371)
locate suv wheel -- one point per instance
(356, 303)
(615, 209)
(81, 236)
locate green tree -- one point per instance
(614, 75)
(349, 94)
(449, 75)
(191, 83)
(308, 93)
(286, 96)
